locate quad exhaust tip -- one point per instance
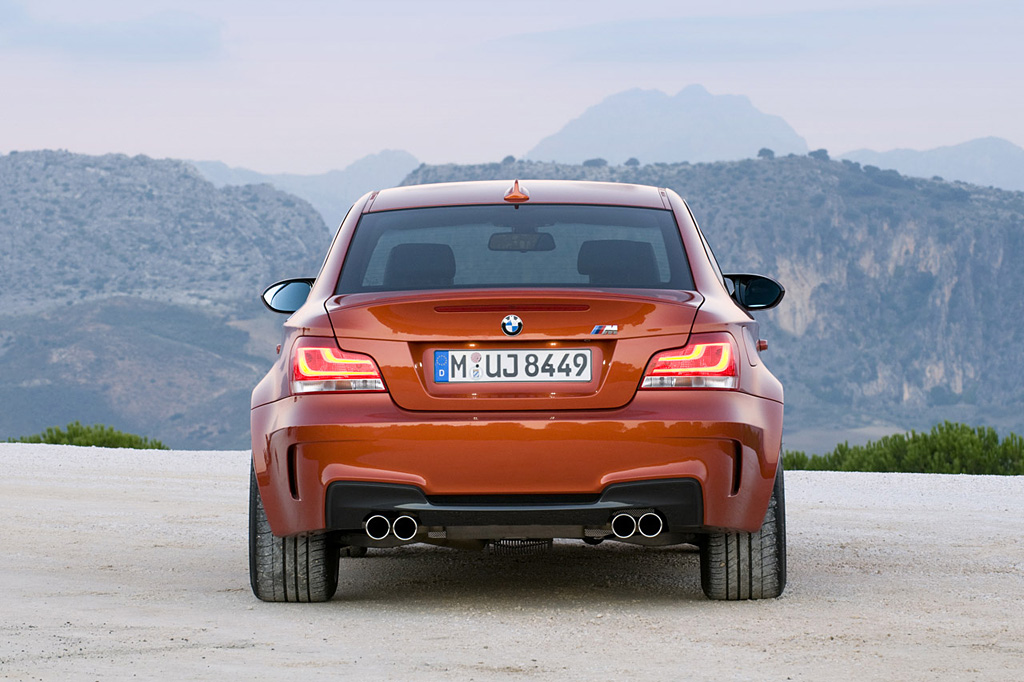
(405, 527)
(623, 526)
(379, 527)
(626, 525)
(649, 525)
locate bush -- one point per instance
(794, 460)
(96, 435)
(950, 448)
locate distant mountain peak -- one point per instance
(697, 92)
(692, 125)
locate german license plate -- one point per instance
(522, 366)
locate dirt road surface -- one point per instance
(121, 564)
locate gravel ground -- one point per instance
(121, 564)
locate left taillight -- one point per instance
(708, 361)
(319, 366)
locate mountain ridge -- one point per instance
(330, 193)
(986, 161)
(900, 303)
(136, 298)
(693, 126)
(69, 220)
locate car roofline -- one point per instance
(540, 192)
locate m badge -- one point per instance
(605, 329)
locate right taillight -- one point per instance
(708, 361)
(319, 366)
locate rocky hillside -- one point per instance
(133, 283)
(133, 294)
(87, 227)
(903, 303)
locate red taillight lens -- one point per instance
(319, 366)
(708, 361)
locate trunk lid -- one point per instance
(577, 349)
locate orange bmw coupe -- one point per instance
(502, 364)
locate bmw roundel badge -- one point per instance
(511, 325)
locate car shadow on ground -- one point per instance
(569, 573)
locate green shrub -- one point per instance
(95, 435)
(794, 460)
(950, 448)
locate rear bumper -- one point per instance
(678, 501)
(726, 443)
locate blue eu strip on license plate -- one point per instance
(441, 366)
(513, 366)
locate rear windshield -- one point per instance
(506, 246)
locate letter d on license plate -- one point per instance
(506, 366)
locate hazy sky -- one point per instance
(309, 85)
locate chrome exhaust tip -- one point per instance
(623, 526)
(405, 528)
(377, 527)
(650, 525)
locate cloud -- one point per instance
(651, 41)
(163, 37)
(667, 40)
(784, 37)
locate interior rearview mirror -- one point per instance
(756, 292)
(521, 241)
(288, 295)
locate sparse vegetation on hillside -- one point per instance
(135, 294)
(902, 298)
(96, 435)
(901, 301)
(949, 448)
(83, 228)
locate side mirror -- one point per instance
(756, 292)
(288, 295)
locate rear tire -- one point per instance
(298, 568)
(735, 566)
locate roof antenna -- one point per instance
(516, 194)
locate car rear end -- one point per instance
(470, 369)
